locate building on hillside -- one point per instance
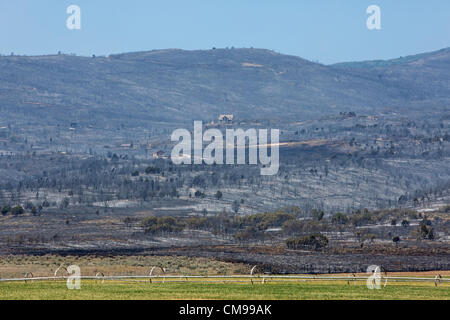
(126, 145)
(226, 118)
(159, 155)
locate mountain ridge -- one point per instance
(176, 85)
(389, 62)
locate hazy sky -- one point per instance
(321, 30)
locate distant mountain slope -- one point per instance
(429, 56)
(177, 86)
(418, 78)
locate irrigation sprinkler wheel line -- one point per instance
(385, 281)
(385, 276)
(437, 280)
(28, 275)
(253, 275)
(352, 278)
(374, 281)
(162, 269)
(98, 274)
(60, 267)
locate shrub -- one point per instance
(152, 170)
(135, 173)
(396, 239)
(161, 225)
(315, 241)
(317, 215)
(264, 221)
(17, 210)
(5, 210)
(426, 232)
(197, 223)
(199, 194)
(340, 218)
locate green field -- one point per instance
(95, 290)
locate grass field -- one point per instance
(44, 266)
(95, 290)
(15, 266)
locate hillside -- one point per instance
(177, 86)
(422, 78)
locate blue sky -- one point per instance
(322, 30)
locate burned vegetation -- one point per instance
(356, 185)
